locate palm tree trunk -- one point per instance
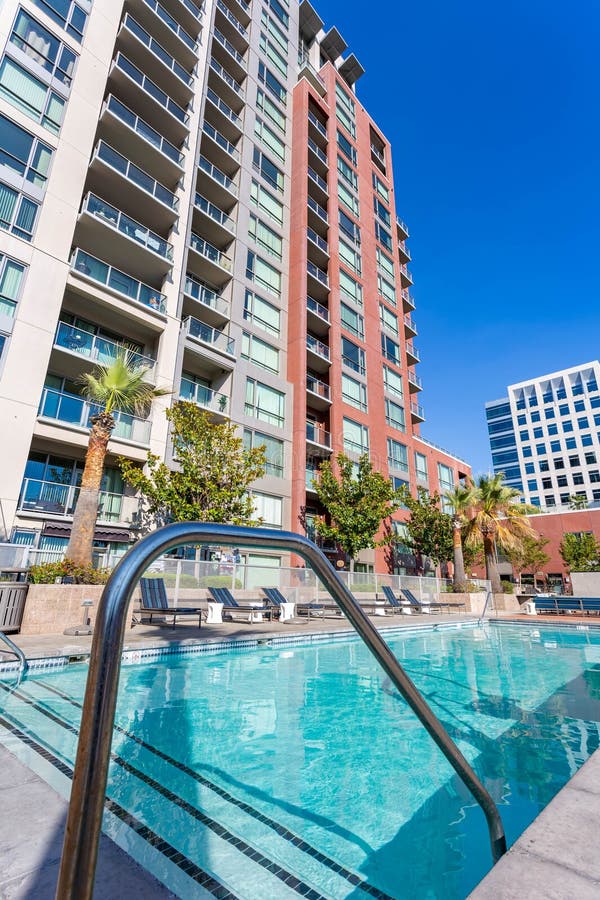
(81, 541)
(491, 569)
(460, 580)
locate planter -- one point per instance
(50, 608)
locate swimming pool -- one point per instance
(297, 771)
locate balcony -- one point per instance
(310, 476)
(318, 128)
(224, 152)
(103, 226)
(214, 220)
(83, 265)
(403, 252)
(217, 187)
(98, 350)
(173, 36)
(48, 498)
(414, 382)
(200, 336)
(412, 354)
(232, 90)
(318, 317)
(378, 157)
(320, 280)
(229, 123)
(242, 8)
(204, 397)
(233, 27)
(405, 277)
(318, 186)
(308, 71)
(74, 411)
(209, 261)
(189, 12)
(410, 328)
(215, 310)
(152, 150)
(317, 216)
(402, 228)
(319, 439)
(134, 191)
(225, 53)
(318, 247)
(321, 156)
(139, 91)
(416, 413)
(319, 394)
(146, 52)
(407, 300)
(318, 354)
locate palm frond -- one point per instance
(120, 386)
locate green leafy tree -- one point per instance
(428, 529)
(580, 552)
(357, 502)
(528, 555)
(118, 387)
(462, 500)
(578, 501)
(211, 477)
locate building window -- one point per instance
(571, 444)
(546, 484)
(388, 319)
(350, 256)
(421, 466)
(559, 463)
(278, 10)
(273, 450)
(268, 170)
(390, 349)
(18, 214)
(387, 290)
(266, 77)
(562, 481)
(590, 458)
(352, 321)
(356, 437)
(352, 356)
(354, 392)
(529, 469)
(348, 199)
(268, 137)
(262, 273)
(264, 236)
(346, 147)
(347, 173)
(351, 288)
(595, 476)
(267, 202)
(24, 154)
(392, 382)
(41, 46)
(397, 454)
(272, 53)
(385, 263)
(264, 403)
(535, 416)
(270, 109)
(383, 236)
(345, 119)
(582, 422)
(260, 353)
(269, 509)
(67, 14)
(394, 415)
(574, 461)
(32, 96)
(11, 280)
(445, 478)
(544, 465)
(262, 313)
(532, 484)
(349, 227)
(380, 188)
(577, 478)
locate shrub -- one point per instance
(49, 573)
(508, 587)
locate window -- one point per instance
(579, 405)
(577, 478)
(17, 213)
(264, 236)
(349, 227)
(506, 441)
(595, 476)
(11, 279)
(582, 422)
(445, 477)
(266, 77)
(351, 288)
(390, 349)
(501, 426)
(30, 95)
(590, 458)
(382, 212)
(356, 437)
(497, 412)
(388, 319)
(347, 173)
(264, 403)
(273, 450)
(260, 353)
(352, 321)
(266, 105)
(272, 53)
(553, 428)
(269, 139)
(354, 392)
(43, 48)
(67, 14)
(386, 289)
(521, 420)
(503, 459)
(564, 498)
(383, 236)
(571, 444)
(344, 99)
(346, 147)
(559, 462)
(524, 435)
(540, 449)
(544, 465)
(269, 171)
(561, 481)
(350, 256)
(262, 313)
(397, 454)
(555, 446)
(550, 413)
(564, 409)
(348, 199)
(266, 202)
(385, 263)
(567, 426)
(546, 484)
(392, 381)
(421, 466)
(264, 274)
(538, 432)
(594, 402)
(352, 356)
(527, 452)
(529, 469)
(345, 119)
(533, 401)
(532, 485)
(394, 415)
(574, 461)
(549, 500)
(273, 30)
(269, 509)
(535, 416)
(380, 188)
(278, 10)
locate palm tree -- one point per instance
(462, 500)
(500, 520)
(117, 387)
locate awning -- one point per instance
(63, 529)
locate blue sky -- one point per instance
(492, 111)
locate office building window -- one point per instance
(11, 280)
(18, 214)
(32, 96)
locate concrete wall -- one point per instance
(586, 584)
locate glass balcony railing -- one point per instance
(135, 175)
(417, 410)
(318, 240)
(316, 207)
(231, 18)
(317, 151)
(98, 349)
(318, 387)
(73, 410)
(407, 274)
(221, 140)
(410, 323)
(224, 108)
(317, 179)
(356, 364)
(170, 22)
(412, 351)
(152, 89)
(378, 154)
(221, 39)
(116, 219)
(317, 123)
(144, 130)
(208, 251)
(316, 346)
(203, 294)
(203, 396)
(402, 226)
(311, 475)
(209, 209)
(227, 78)
(157, 50)
(317, 434)
(414, 379)
(211, 336)
(317, 273)
(52, 498)
(195, 10)
(407, 298)
(217, 175)
(317, 308)
(125, 285)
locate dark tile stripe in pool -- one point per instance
(202, 878)
(246, 849)
(280, 829)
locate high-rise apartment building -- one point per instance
(545, 436)
(200, 182)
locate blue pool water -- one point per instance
(297, 771)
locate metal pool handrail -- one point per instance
(489, 596)
(24, 665)
(86, 807)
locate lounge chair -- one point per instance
(397, 606)
(230, 604)
(425, 606)
(275, 597)
(155, 602)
